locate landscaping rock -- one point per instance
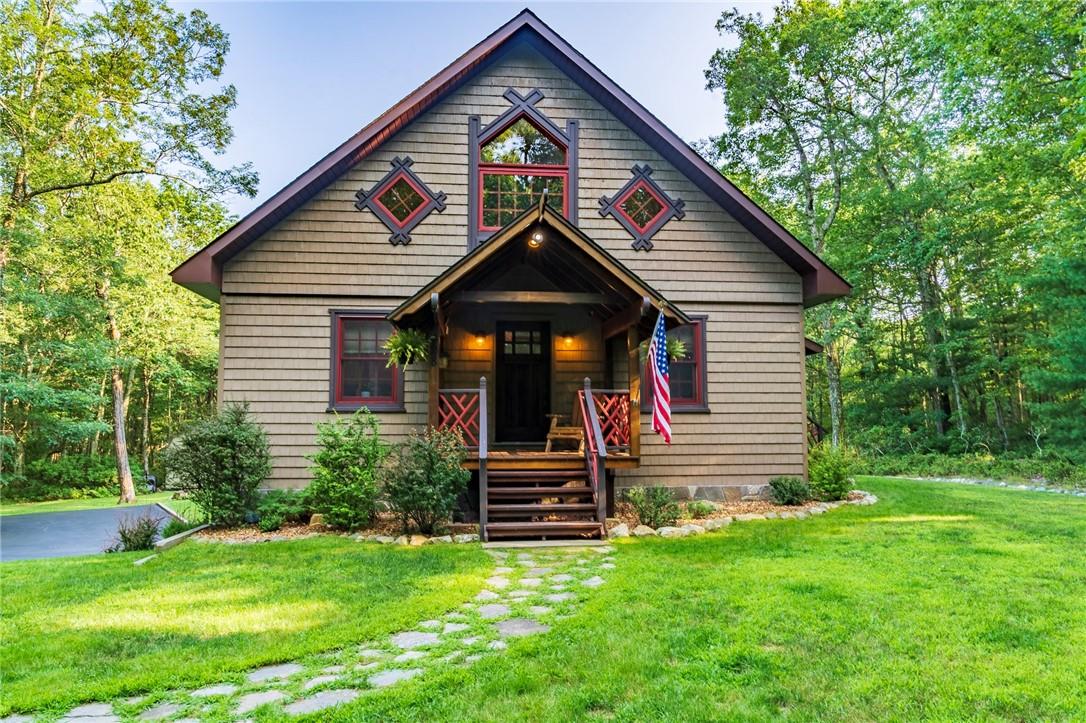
(748, 517)
(252, 701)
(413, 639)
(816, 511)
(440, 540)
(274, 672)
(319, 681)
(717, 523)
(417, 540)
(320, 701)
(516, 627)
(403, 540)
(672, 532)
(214, 690)
(771, 515)
(316, 520)
(384, 539)
(694, 529)
(388, 677)
(494, 610)
(461, 539)
(643, 531)
(801, 515)
(788, 515)
(622, 530)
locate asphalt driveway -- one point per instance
(57, 534)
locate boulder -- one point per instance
(801, 515)
(402, 540)
(786, 515)
(717, 523)
(693, 529)
(643, 531)
(771, 515)
(417, 540)
(461, 539)
(748, 517)
(384, 539)
(440, 540)
(672, 532)
(622, 530)
(316, 520)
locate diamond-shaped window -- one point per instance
(401, 200)
(642, 207)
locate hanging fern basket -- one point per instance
(408, 346)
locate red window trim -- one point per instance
(338, 402)
(521, 169)
(421, 207)
(700, 402)
(652, 192)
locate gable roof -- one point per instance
(202, 272)
(541, 216)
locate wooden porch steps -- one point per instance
(540, 501)
(546, 530)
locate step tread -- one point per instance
(537, 491)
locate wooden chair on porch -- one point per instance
(567, 433)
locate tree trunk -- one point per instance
(146, 441)
(99, 416)
(120, 441)
(929, 306)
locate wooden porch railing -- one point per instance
(613, 409)
(464, 410)
(595, 449)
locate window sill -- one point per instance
(683, 409)
(372, 406)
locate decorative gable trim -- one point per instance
(642, 178)
(479, 135)
(401, 230)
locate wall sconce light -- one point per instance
(480, 338)
(536, 240)
(567, 339)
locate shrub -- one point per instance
(219, 463)
(424, 477)
(135, 533)
(75, 476)
(345, 470)
(699, 509)
(175, 526)
(286, 505)
(789, 490)
(830, 471)
(654, 506)
(270, 522)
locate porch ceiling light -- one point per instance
(536, 240)
(480, 338)
(567, 339)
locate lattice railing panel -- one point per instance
(458, 409)
(613, 409)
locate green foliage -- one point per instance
(654, 506)
(76, 476)
(220, 463)
(293, 506)
(345, 470)
(830, 470)
(1050, 467)
(424, 476)
(175, 526)
(407, 346)
(789, 490)
(135, 533)
(699, 509)
(270, 522)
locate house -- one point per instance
(532, 217)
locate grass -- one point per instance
(181, 507)
(941, 602)
(88, 628)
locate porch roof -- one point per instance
(582, 272)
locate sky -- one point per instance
(310, 74)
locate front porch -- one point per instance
(535, 362)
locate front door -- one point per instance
(523, 381)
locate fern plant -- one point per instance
(407, 346)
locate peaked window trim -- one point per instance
(522, 107)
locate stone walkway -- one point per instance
(529, 591)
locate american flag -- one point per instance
(661, 391)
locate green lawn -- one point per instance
(181, 507)
(84, 628)
(940, 602)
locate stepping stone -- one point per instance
(430, 624)
(539, 610)
(471, 641)
(515, 627)
(389, 677)
(516, 594)
(558, 587)
(319, 680)
(558, 597)
(502, 570)
(252, 701)
(455, 616)
(334, 669)
(134, 700)
(593, 581)
(472, 658)
(213, 690)
(452, 656)
(531, 581)
(497, 645)
(409, 655)
(320, 701)
(498, 582)
(414, 640)
(274, 672)
(561, 578)
(17, 718)
(368, 666)
(538, 571)
(454, 628)
(370, 653)
(489, 612)
(487, 595)
(162, 710)
(608, 566)
(91, 710)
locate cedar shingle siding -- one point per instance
(277, 293)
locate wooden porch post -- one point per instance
(434, 386)
(634, 371)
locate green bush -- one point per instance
(70, 477)
(654, 506)
(345, 470)
(789, 490)
(219, 463)
(291, 506)
(424, 476)
(135, 533)
(270, 522)
(699, 509)
(830, 471)
(175, 526)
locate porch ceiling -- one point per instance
(541, 258)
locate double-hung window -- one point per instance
(361, 376)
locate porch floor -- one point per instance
(529, 458)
